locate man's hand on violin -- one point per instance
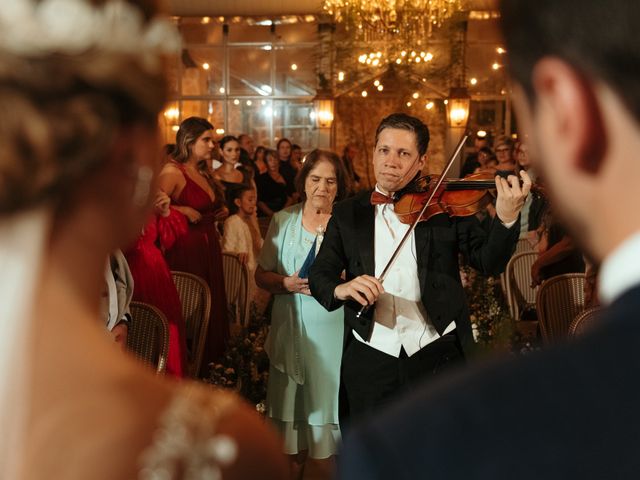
(364, 289)
(511, 196)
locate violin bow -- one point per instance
(413, 226)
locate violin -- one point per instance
(457, 197)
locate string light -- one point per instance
(206, 66)
(429, 105)
(473, 81)
(294, 67)
(364, 93)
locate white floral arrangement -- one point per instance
(71, 27)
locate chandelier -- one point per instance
(397, 21)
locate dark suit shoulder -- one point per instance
(485, 422)
(345, 208)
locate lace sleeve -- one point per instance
(186, 446)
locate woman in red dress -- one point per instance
(152, 279)
(198, 251)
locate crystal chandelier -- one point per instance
(397, 21)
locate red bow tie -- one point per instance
(378, 198)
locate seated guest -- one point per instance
(349, 155)
(246, 143)
(288, 171)
(504, 153)
(117, 296)
(473, 160)
(296, 157)
(557, 252)
(274, 193)
(259, 163)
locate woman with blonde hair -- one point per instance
(81, 86)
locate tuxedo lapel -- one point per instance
(423, 237)
(364, 225)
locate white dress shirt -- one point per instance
(400, 319)
(620, 270)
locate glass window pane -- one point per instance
(200, 30)
(202, 71)
(292, 119)
(296, 71)
(249, 71)
(253, 117)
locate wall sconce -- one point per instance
(458, 107)
(323, 104)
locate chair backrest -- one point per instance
(583, 321)
(523, 246)
(148, 336)
(195, 296)
(560, 299)
(236, 285)
(520, 294)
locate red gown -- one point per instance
(153, 283)
(199, 252)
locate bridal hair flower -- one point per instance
(32, 28)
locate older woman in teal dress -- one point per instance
(305, 341)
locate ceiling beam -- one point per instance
(188, 8)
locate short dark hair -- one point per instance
(599, 39)
(402, 121)
(310, 162)
(295, 146)
(281, 141)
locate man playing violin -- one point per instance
(417, 323)
(571, 410)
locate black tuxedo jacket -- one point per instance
(569, 412)
(348, 246)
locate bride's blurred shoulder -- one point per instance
(202, 430)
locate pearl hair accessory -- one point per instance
(33, 28)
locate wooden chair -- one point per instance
(195, 296)
(583, 322)
(560, 299)
(520, 294)
(148, 336)
(236, 285)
